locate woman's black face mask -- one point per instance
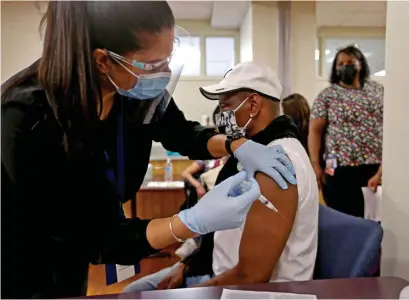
(347, 73)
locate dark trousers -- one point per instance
(343, 192)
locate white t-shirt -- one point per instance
(297, 260)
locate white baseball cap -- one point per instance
(247, 76)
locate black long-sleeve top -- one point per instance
(60, 214)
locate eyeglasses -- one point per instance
(147, 66)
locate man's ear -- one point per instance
(102, 60)
(255, 104)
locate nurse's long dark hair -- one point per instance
(67, 68)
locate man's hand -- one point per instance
(374, 181)
(174, 280)
(200, 191)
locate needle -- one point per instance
(269, 205)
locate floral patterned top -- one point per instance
(355, 122)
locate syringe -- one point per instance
(243, 187)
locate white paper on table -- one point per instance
(166, 184)
(117, 273)
(372, 203)
(237, 294)
(124, 272)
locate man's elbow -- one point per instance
(252, 276)
(315, 131)
(185, 174)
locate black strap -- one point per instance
(228, 145)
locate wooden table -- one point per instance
(355, 288)
(156, 202)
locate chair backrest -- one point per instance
(347, 246)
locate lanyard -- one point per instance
(114, 272)
(119, 178)
(120, 155)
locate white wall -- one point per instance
(303, 36)
(265, 32)
(395, 198)
(191, 101)
(187, 95)
(259, 34)
(21, 45)
(246, 37)
(20, 36)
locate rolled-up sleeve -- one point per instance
(128, 244)
(177, 134)
(320, 106)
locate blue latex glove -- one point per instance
(273, 161)
(217, 210)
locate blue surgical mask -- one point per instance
(148, 86)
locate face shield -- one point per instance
(148, 100)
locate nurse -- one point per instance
(77, 129)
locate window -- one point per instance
(372, 48)
(192, 65)
(220, 55)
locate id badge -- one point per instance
(331, 164)
(117, 273)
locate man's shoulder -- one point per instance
(306, 182)
(295, 151)
(289, 144)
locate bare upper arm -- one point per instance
(266, 232)
(317, 125)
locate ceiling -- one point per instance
(229, 14)
(222, 14)
(351, 13)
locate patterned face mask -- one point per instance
(227, 124)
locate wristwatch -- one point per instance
(228, 145)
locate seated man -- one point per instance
(270, 246)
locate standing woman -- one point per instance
(77, 129)
(349, 115)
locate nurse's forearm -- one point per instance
(159, 235)
(217, 145)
